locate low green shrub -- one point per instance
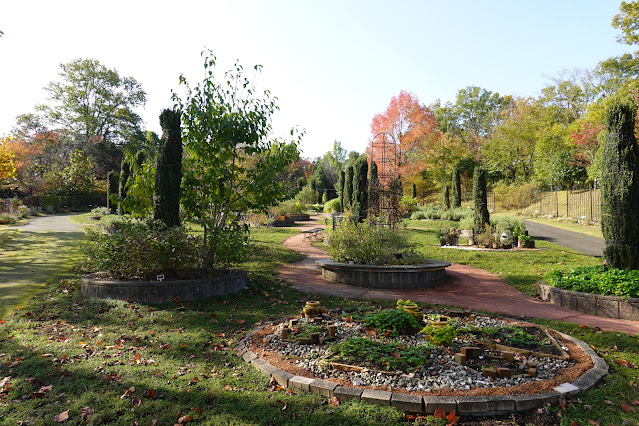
(7, 219)
(292, 206)
(145, 249)
(332, 206)
(367, 244)
(101, 211)
(399, 322)
(597, 279)
(457, 214)
(389, 356)
(407, 204)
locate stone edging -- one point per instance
(164, 291)
(463, 406)
(588, 303)
(385, 276)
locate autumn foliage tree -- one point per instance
(412, 125)
(7, 168)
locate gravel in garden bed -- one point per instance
(440, 372)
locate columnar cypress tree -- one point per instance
(446, 196)
(348, 188)
(168, 175)
(482, 216)
(413, 192)
(359, 205)
(620, 187)
(125, 172)
(456, 187)
(140, 158)
(112, 189)
(342, 182)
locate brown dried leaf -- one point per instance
(334, 402)
(185, 419)
(63, 416)
(626, 408)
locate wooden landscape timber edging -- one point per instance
(164, 291)
(386, 276)
(463, 406)
(626, 308)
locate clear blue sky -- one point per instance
(332, 64)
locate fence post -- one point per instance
(556, 203)
(591, 204)
(567, 214)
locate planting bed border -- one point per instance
(463, 406)
(594, 304)
(164, 291)
(423, 275)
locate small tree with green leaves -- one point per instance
(482, 217)
(348, 187)
(620, 187)
(168, 172)
(359, 206)
(456, 187)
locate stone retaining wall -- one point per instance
(588, 303)
(385, 276)
(463, 406)
(164, 291)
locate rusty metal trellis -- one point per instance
(384, 195)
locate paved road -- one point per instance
(585, 244)
(36, 252)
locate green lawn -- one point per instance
(119, 362)
(522, 269)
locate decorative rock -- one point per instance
(376, 397)
(503, 373)
(508, 356)
(490, 372)
(460, 359)
(471, 352)
(332, 330)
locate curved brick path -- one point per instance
(467, 287)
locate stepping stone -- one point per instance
(508, 356)
(504, 373)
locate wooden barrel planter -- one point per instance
(386, 276)
(164, 291)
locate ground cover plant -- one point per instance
(599, 279)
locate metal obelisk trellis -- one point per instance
(385, 194)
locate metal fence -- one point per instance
(583, 205)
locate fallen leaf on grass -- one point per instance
(334, 402)
(626, 408)
(452, 418)
(128, 392)
(86, 412)
(594, 422)
(609, 402)
(63, 416)
(185, 419)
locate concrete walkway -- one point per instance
(581, 243)
(468, 287)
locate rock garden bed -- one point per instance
(456, 358)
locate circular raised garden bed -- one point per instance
(298, 217)
(474, 376)
(385, 276)
(164, 291)
(594, 304)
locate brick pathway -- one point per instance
(467, 287)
